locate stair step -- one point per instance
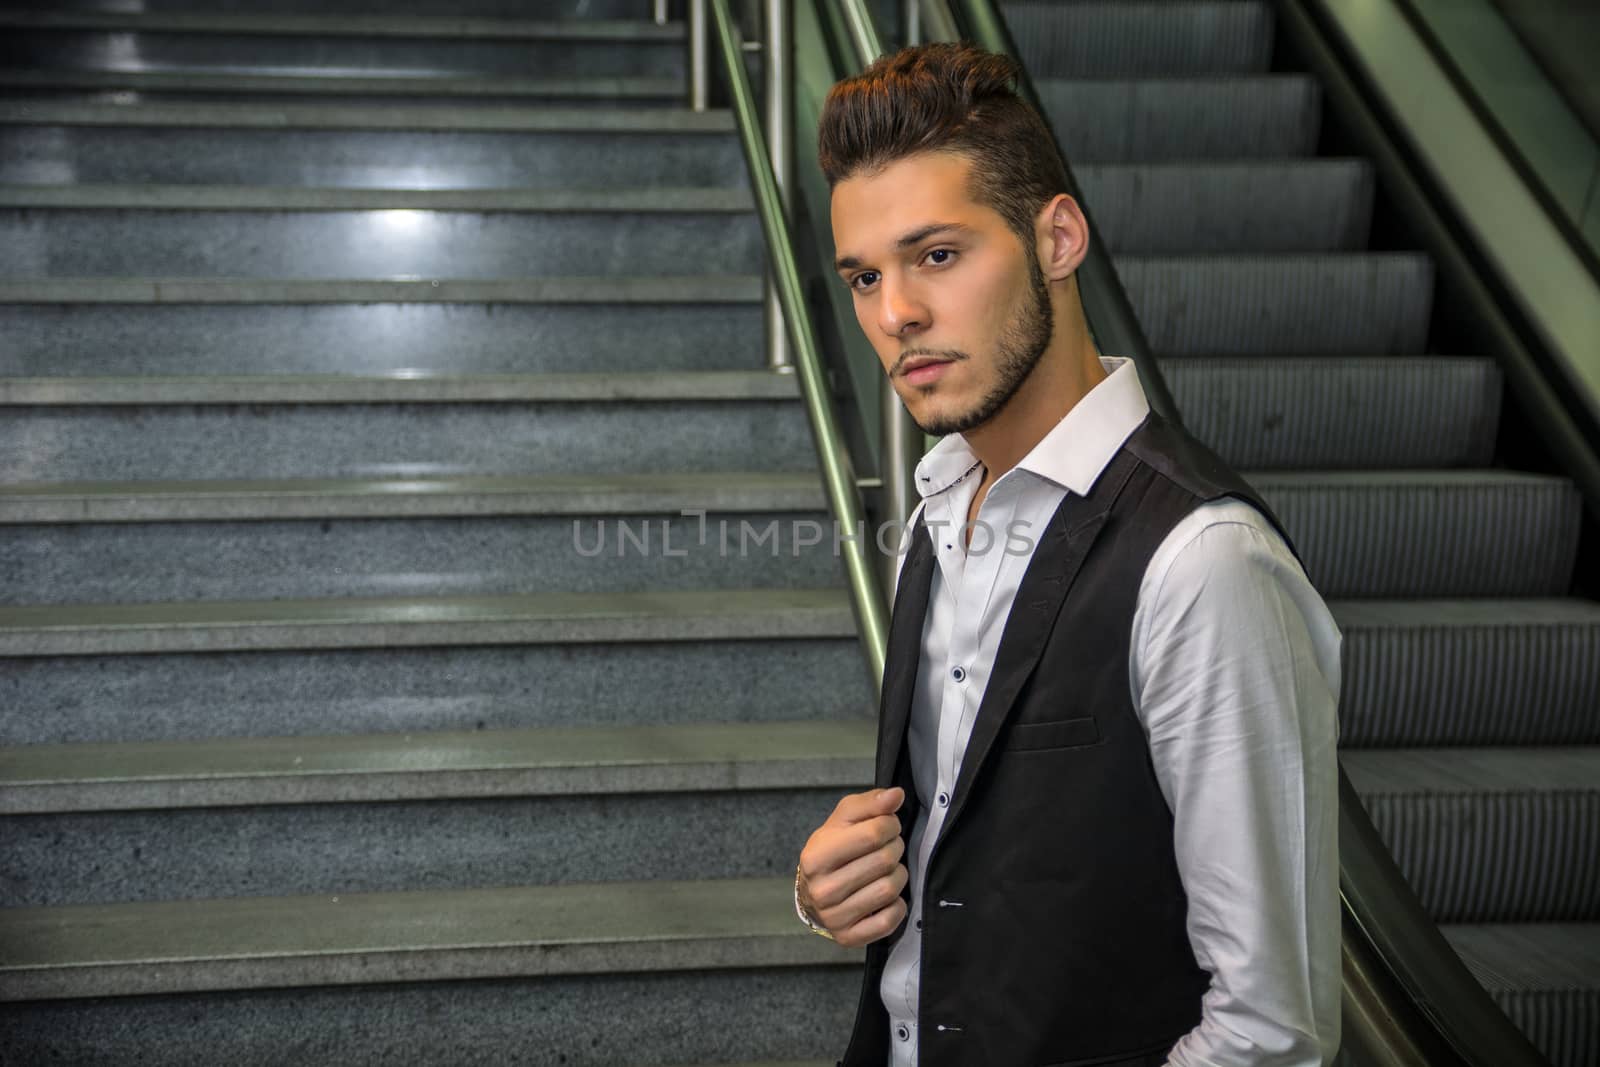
(1115, 38)
(1430, 533)
(110, 823)
(482, 1023)
(798, 1005)
(482, 555)
(1469, 672)
(1331, 304)
(386, 44)
(179, 696)
(1546, 977)
(336, 243)
(664, 200)
(443, 118)
(169, 442)
(91, 86)
(551, 618)
(382, 146)
(548, 9)
(720, 331)
(433, 765)
(1489, 834)
(332, 498)
(256, 943)
(1268, 116)
(398, 388)
(1321, 205)
(321, 25)
(1330, 412)
(692, 289)
(756, 1016)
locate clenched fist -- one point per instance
(850, 875)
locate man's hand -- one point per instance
(850, 870)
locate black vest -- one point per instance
(1069, 943)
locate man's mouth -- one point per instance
(922, 370)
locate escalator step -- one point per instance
(1546, 977)
(1466, 533)
(1490, 834)
(1469, 672)
(1295, 205)
(1340, 413)
(1334, 304)
(1112, 38)
(1269, 116)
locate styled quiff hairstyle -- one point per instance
(945, 98)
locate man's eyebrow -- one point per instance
(915, 237)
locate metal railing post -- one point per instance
(838, 480)
(899, 439)
(777, 72)
(699, 57)
(911, 21)
(900, 446)
(658, 12)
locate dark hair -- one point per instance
(945, 98)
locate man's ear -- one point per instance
(1062, 237)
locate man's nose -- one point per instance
(901, 311)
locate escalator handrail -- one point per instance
(839, 482)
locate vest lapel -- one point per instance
(1056, 561)
(904, 653)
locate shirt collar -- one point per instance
(1075, 451)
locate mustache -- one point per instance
(954, 355)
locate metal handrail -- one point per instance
(838, 479)
(898, 436)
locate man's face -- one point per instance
(955, 305)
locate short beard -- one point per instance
(1021, 345)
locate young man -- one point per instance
(1104, 828)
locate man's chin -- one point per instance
(943, 423)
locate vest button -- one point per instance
(943, 799)
(959, 674)
(902, 1033)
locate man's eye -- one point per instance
(864, 280)
(940, 256)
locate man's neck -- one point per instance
(1059, 381)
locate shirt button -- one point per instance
(943, 799)
(959, 674)
(919, 924)
(902, 1033)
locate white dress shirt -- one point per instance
(1234, 674)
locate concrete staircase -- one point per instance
(366, 694)
(1305, 345)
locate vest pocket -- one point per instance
(1065, 733)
